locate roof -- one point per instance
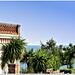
(6, 28)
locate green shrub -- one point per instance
(66, 71)
(23, 70)
(73, 71)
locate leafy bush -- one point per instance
(23, 70)
(66, 71)
(73, 71)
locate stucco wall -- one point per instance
(0, 56)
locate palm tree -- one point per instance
(49, 45)
(27, 58)
(12, 51)
(69, 54)
(39, 61)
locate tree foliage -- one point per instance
(50, 56)
(69, 55)
(12, 51)
(27, 55)
(39, 61)
(49, 45)
(43, 60)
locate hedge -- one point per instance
(71, 71)
(66, 71)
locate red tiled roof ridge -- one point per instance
(8, 24)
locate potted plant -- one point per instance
(11, 52)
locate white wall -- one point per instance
(0, 60)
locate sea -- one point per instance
(35, 47)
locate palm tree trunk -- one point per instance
(28, 67)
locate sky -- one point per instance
(41, 20)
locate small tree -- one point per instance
(12, 51)
(43, 60)
(69, 55)
(39, 61)
(49, 45)
(27, 59)
(57, 52)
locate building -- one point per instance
(6, 32)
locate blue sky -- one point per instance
(41, 20)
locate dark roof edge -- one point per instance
(9, 24)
